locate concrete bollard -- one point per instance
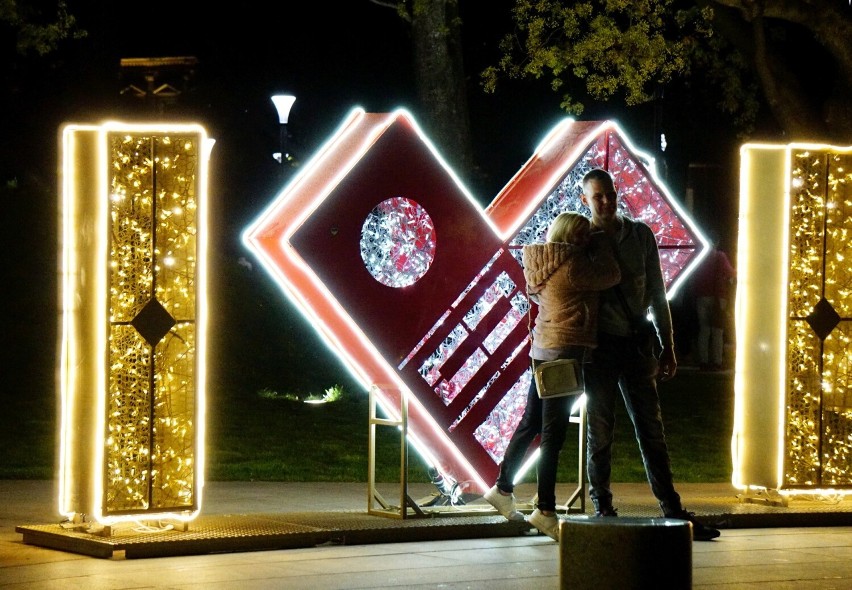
(625, 553)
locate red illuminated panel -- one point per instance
(322, 240)
(428, 330)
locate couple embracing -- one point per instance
(591, 280)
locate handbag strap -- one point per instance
(530, 328)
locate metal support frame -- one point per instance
(81, 524)
(766, 496)
(406, 507)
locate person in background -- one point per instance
(621, 365)
(711, 286)
(564, 277)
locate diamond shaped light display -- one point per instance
(549, 183)
(420, 291)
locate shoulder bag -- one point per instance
(556, 378)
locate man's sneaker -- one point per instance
(505, 505)
(700, 532)
(606, 511)
(549, 525)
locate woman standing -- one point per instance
(564, 277)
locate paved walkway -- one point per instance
(761, 547)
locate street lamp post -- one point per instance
(283, 103)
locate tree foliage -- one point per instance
(32, 31)
(792, 57)
(439, 72)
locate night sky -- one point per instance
(332, 57)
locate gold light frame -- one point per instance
(133, 232)
(793, 403)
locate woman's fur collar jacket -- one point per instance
(565, 281)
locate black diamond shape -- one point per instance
(823, 319)
(153, 322)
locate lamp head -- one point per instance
(283, 103)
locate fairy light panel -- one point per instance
(131, 378)
(420, 291)
(793, 402)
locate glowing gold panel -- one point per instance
(793, 409)
(133, 320)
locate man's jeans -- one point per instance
(618, 365)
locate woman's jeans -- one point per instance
(617, 365)
(550, 418)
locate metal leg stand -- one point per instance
(376, 504)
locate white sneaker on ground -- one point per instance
(505, 505)
(549, 525)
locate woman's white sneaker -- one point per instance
(505, 505)
(549, 525)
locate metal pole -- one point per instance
(282, 141)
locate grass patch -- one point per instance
(28, 427)
(698, 411)
(282, 438)
(270, 436)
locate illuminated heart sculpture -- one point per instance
(420, 292)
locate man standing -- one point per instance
(712, 284)
(620, 363)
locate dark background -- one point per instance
(332, 57)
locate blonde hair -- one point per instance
(565, 226)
